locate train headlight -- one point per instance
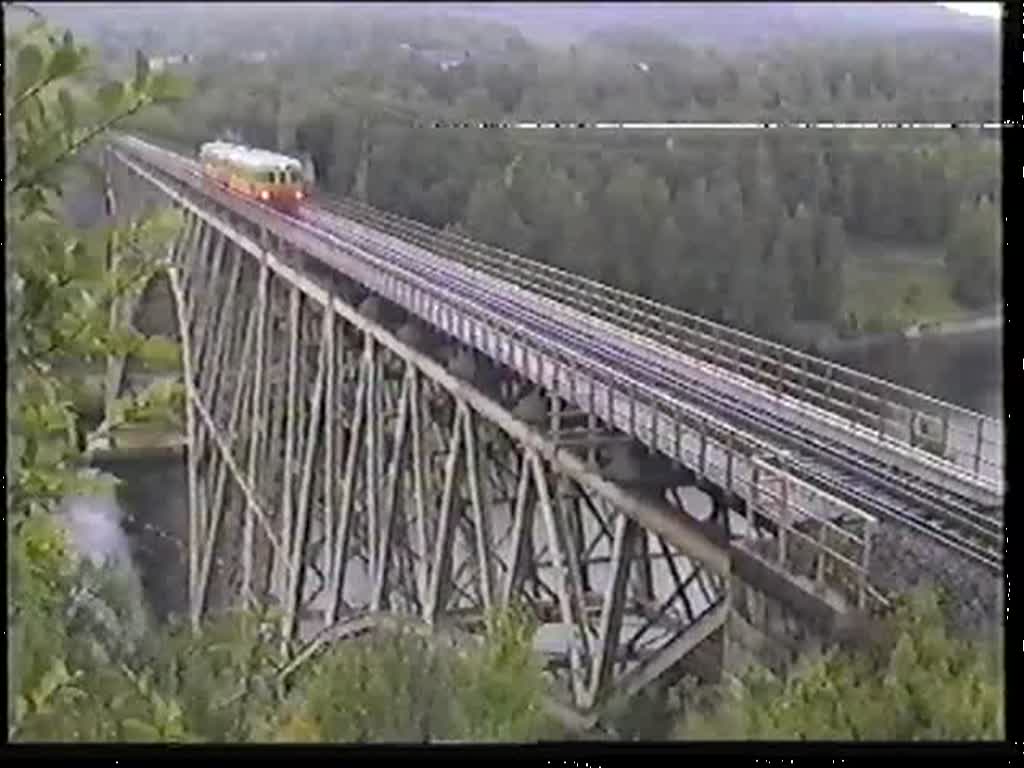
(298, 194)
(264, 195)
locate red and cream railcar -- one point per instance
(267, 177)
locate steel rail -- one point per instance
(593, 297)
(937, 503)
(915, 512)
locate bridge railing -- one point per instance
(817, 536)
(730, 458)
(943, 433)
(810, 544)
(832, 539)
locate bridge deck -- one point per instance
(651, 385)
(854, 462)
(841, 404)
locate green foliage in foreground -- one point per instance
(229, 683)
(398, 687)
(915, 681)
(64, 286)
(82, 664)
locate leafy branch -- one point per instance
(58, 317)
(32, 179)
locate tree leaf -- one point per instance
(64, 62)
(110, 96)
(160, 353)
(165, 87)
(28, 68)
(54, 678)
(67, 108)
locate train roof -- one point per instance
(250, 157)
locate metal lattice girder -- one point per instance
(297, 483)
(339, 471)
(714, 450)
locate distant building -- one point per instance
(159, 63)
(443, 60)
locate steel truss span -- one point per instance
(929, 466)
(873, 464)
(339, 469)
(339, 474)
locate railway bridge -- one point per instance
(386, 422)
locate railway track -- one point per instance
(700, 340)
(858, 478)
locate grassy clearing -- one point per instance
(890, 286)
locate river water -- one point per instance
(965, 369)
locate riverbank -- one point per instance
(831, 344)
(890, 286)
(988, 322)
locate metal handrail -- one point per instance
(716, 341)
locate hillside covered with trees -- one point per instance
(755, 228)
